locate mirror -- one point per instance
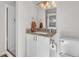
(48, 15)
(51, 18)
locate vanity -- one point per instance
(38, 43)
(41, 43)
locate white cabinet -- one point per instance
(37, 46)
(31, 45)
(42, 46)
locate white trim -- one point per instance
(7, 53)
(5, 28)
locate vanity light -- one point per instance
(54, 3)
(46, 4)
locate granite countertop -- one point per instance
(43, 30)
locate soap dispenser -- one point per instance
(41, 24)
(33, 25)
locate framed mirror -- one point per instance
(51, 21)
(51, 18)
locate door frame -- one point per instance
(6, 31)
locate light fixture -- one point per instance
(46, 4)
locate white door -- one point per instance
(42, 46)
(31, 45)
(11, 43)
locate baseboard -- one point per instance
(2, 53)
(5, 52)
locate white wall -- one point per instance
(2, 25)
(12, 3)
(68, 18)
(24, 13)
(41, 15)
(2, 28)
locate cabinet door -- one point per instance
(31, 45)
(42, 46)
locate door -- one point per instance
(11, 36)
(42, 46)
(31, 45)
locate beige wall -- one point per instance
(68, 18)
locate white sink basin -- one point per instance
(41, 32)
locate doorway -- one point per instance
(11, 30)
